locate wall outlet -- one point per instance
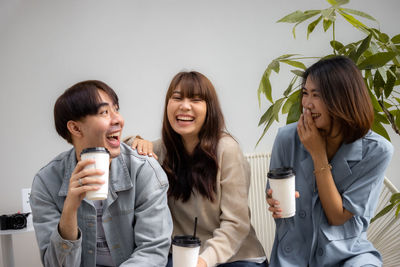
(26, 207)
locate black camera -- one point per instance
(13, 221)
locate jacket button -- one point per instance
(288, 249)
(90, 251)
(320, 252)
(64, 246)
(302, 214)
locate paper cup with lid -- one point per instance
(102, 162)
(282, 183)
(185, 250)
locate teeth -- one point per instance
(114, 135)
(315, 115)
(184, 118)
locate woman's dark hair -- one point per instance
(345, 94)
(197, 171)
(78, 101)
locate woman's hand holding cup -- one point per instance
(274, 204)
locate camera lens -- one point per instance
(19, 221)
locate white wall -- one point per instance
(136, 47)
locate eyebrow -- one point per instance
(312, 90)
(102, 104)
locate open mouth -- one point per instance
(113, 138)
(315, 115)
(184, 118)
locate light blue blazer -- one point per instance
(307, 239)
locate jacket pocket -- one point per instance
(347, 230)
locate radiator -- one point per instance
(261, 218)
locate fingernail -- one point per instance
(150, 154)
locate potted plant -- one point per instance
(377, 55)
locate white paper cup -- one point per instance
(185, 251)
(102, 162)
(282, 183)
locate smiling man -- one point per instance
(132, 227)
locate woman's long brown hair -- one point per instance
(196, 172)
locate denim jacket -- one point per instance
(136, 219)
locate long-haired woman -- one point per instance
(208, 175)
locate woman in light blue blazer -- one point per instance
(339, 164)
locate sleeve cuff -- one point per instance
(208, 255)
(66, 245)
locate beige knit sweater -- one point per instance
(223, 226)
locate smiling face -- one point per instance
(312, 100)
(186, 115)
(102, 129)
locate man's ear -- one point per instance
(74, 127)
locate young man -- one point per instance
(132, 227)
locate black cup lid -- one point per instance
(95, 150)
(281, 173)
(186, 241)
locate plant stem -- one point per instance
(333, 35)
(390, 117)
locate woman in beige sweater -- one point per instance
(208, 175)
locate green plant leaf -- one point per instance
(289, 89)
(327, 24)
(277, 107)
(294, 113)
(397, 211)
(292, 17)
(375, 102)
(397, 120)
(286, 56)
(328, 14)
(286, 106)
(396, 39)
(382, 212)
(379, 129)
(395, 198)
(336, 45)
(383, 37)
(380, 118)
(359, 13)
(307, 14)
(269, 123)
(391, 79)
(382, 72)
(298, 72)
(266, 116)
(353, 21)
(375, 32)
(265, 87)
(368, 78)
(312, 26)
(293, 98)
(274, 65)
(377, 60)
(378, 84)
(337, 2)
(363, 47)
(294, 63)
